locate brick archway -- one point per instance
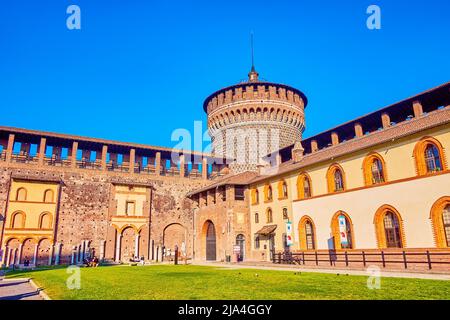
(44, 252)
(209, 241)
(174, 234)
(128, 244)
(28, 248)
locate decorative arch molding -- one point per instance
(34, 240)
(125, 226)
(367, 168)
(269, 215)
(281, 192)
(330, 178)
(301, 185)
(302, 232)
(49, 196)
(42, 239)
(335, 229)
(379, 226)
(9, 241)
(14, 224)
(437, 222)
(21, 194)
(45, 224)
(268, 193)
(419, 154)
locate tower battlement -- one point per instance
(267, 116)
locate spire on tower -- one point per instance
(253, 75)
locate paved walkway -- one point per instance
(384, 273)
(20, 289)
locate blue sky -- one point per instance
(137, 70)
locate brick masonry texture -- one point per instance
(85, 207)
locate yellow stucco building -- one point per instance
(381, 181)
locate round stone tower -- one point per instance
(254, 118)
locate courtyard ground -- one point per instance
(209, 282)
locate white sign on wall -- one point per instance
(289, 235)
(343, 230)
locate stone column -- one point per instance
(13, 255)
(82, 251)
(57, 253)
(86, 248)
(358, 130)
(182, 165)
(10, 147)
(136, 245)
(42, 147)
(36, 246)
(19, 256)
(50, 256)
(104, 154)
(132, 159)
(72, 258)
(385, 120)
(158, 163)
(118, 242)
(314, 146)
(334, 138)
(204, 168)
(74, 154)
(102, 250)
(6, 257)
(417, 108)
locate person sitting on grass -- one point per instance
(94, 262)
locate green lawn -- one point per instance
(198, 282)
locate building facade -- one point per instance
(378, 182)
(65, 198)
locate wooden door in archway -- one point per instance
(211, 242)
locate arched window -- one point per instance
(18, 220)
(432, 159)
(285, 214)
(268, 193)
(388, 226)
(257, 242)
(256, 217)
(374, 169)
(306, 231)
(269, 216)
(429, 156)
(48, 196)
(255, 196)
(45, 221)
(335, 179)
(440, 218)
(21, 194)
(342, 230)
(282, 190)
(446, 222)
(338, 181)
(304, 186)
(392, 230)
